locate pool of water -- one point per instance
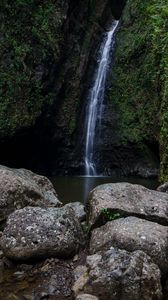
(71, 189)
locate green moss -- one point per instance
(30, 37)
(72, 125)
(140, 75)
(160, 42)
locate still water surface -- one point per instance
(71, 189)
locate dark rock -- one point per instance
(1, 254)
(133, 234)
(127, 200)
(45, 129)
(34, 232)
(115, 158)
(52, 278)
(12, 296)
(117, 7)
(118, 275)
(163, 188)
(165, 289)
(57, 285)
(20, 188)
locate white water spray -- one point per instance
(95, 99)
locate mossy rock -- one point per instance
(140, 75)
(31, 37)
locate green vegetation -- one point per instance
(44, 50)
(159, 13)
(140, 75)
(30, 39)
(72, 125)
(110, 215)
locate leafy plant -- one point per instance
(110, 215)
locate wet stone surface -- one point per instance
(51, 279)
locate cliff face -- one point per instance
(31, 42)
(139, 81)
(48, 55)
(45, 50)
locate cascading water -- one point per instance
(95, 99)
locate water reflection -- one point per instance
(71, 189)
(88, 184)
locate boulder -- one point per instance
(163, 188)
(132, 234)
(79, 210)
(20, 188)
(118, 275)
(126, 199)
(55, 281)
(41, 232)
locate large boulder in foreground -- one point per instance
(127, 200)
(132, 234)
(36, 232)
(119, 275)
(20, 188)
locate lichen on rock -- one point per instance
(34, 232)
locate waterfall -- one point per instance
(95, 99)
